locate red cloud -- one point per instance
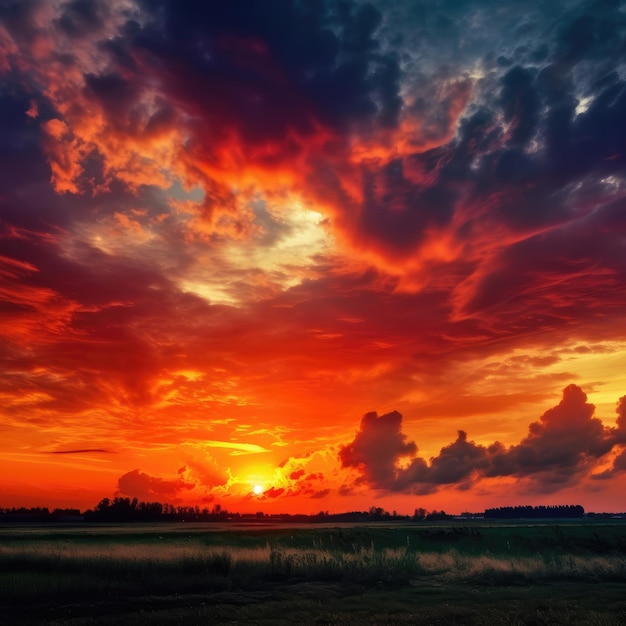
(272, 492)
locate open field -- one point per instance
(445, 573)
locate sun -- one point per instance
(257, 489)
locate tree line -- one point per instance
(127, 509)
(536, 512)
(120, 509)
(39, 514)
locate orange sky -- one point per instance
(302, 249)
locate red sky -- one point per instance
(355, 254)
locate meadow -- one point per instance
(409, 573)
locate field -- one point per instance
(444, 573)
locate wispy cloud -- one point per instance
(83, 451)
(237, 448)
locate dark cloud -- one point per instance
(82, 451)
(116, 95)
(17, 16)
(376, 448)
(81, 18)
(139, 485)
(459, 464)
(520, 104)
(516, 189)
(268, 71)
(27, 201)
(510, 146)
(563, 446)
(457, 461)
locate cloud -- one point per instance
(321, 494)
(619, 437)
(561, 448)
(237, 448)
(565, 436)
(139, 485)
(617, 467)
(619, 464)
(268, 87)
(81, 18)
(621, 419)
(83, 451)
(271, 493)
(327, 84)
(319, 101)
(457, 464)
(202, 469)
(377, 446)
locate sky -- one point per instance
(349, 254)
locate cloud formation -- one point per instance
(376, 448)
(561, 448)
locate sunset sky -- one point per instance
(351, 254)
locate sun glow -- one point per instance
(257, 490)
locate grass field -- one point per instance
(378, 574)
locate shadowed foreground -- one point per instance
(402, 574)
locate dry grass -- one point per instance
(42, 571)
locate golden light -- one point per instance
(257, 489)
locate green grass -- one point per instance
(187, 574)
